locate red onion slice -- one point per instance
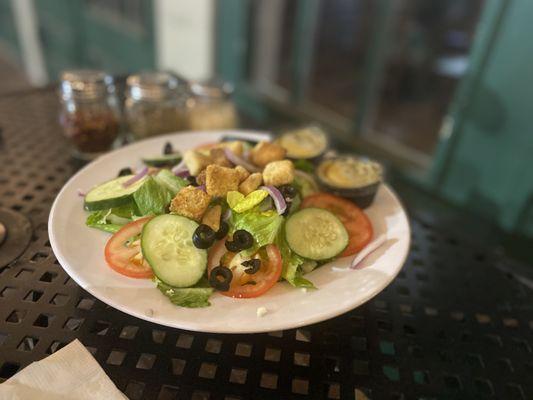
(235, 159)
(183, 174)
(81, 193)
(277, 197)
(371, 247)
(202, 187)
(137, 177)
(227, 215)
(179, 167)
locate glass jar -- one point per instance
(211, 106)
(155, 103)
(90, 114)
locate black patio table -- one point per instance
(454, 324)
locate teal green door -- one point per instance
(60, 34)
(484, 155)
(119, 35)
(485, 161)
(8, 30)
(116, 36)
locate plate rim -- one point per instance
(316, 318)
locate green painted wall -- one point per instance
(8, 30)
(118, 46)
(60, 32)
(490, 166)
(76, 33)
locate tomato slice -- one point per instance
(355, 221)
(245, 285)
(123, 257)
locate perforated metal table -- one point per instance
(452, 325)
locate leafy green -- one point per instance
(291, 266)
(171, 182)
(308, 266)
(300, 282)
(306, 185)
(263, 226)
(127, 211)
(152, 198)
(240, 203)
(304, 165)
(113, 219)
(233, 198)
(295, 204)
(101, 220)
(192, 297)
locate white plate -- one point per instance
(80, 250)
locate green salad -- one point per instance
(232, 217)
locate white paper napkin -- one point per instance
(69, 374)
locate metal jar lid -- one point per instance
(153, 86)
(86, 84)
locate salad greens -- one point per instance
(101, 220)
(304, 165)
(152, 198)
(241, 203)
(291, 264)
(171, 182)
(113, 219)
(263, 225)
(267, 227)
(192, 222)
(192, 297)
(306, 185)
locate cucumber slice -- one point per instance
(164, 160)
(111, 194)
(316, 234)
(166, 244)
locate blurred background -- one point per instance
(439, 90)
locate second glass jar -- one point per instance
(211, 106)
(155, 104)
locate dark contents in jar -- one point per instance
(91, 132)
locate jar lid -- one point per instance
(86, 84)
(152, 85)
(213, 88)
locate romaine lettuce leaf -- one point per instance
(128, 211)
(152, 198)
(304, 165)
(192, 297)
(240, 203)
(263, 226)
(300, 282)
(171, 182)
(291, 264)
(101, 220)
(233, 198)
(305, 185)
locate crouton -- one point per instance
(243, 172)
(235, 146)
(190, 202)
(218, 157)
(200, 178)
(195, 161)
(251, 183)
(211, 217)
(265, 152)
(220, 180)
(278, 173)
